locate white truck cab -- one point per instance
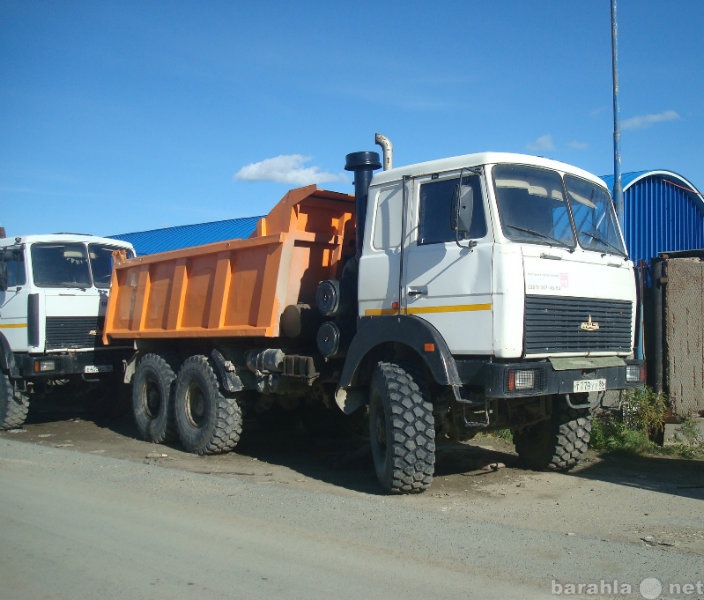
(540, 238)
(53, 295)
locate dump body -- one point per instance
(236, 288)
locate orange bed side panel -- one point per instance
(239, 287)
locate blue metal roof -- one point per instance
(626, 179)
(184, 236)
(662, 212)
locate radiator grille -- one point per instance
(557, 324)
(74, 332)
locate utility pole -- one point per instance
(618, 189)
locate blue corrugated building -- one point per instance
(662, 212)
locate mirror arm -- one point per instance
(470, 243)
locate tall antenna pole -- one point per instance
(618, 189)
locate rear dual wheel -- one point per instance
(207, 422)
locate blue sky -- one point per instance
(123, 116)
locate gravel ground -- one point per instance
(611, 520)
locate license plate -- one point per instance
(590, 385)
(91, 369)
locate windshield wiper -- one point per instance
(543, 236)
(71, 284)
(599, 238)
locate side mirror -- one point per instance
(464, 205)
(3, 276)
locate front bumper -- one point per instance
(91, 365)
(549, 377)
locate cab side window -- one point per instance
(436, 211)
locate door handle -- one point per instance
(418, 291)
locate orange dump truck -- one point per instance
(482, 291)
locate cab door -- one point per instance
(13, 298)
(446, 277)
(380, 263)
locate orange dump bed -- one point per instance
(239, 287)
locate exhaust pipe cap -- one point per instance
(360, 160)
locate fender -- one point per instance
(229, 379)
(131, 367)
(408, 330)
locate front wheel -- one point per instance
(14, 405)
(557, 443)
(207, 421)
(402, 431)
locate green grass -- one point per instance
(610, 434)
(638, 427)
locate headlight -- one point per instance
(44, 365)
(634, 373)
(521, 380)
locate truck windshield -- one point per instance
(60, 265)
(535, 207)
(71, 264)
(532, 206)
(594, 216)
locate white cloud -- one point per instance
(597, 112)
(645, 121)
(578, 145)
(287, 168)
(543, 143)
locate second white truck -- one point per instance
(53, 296)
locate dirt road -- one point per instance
(486, 528)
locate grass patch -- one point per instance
(502, 434)
(610, 434)
(637, 428)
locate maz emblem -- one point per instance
(589, 325)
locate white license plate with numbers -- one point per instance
(589, 385)
(92, 369)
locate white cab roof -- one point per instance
(456, 163)
(63, 237)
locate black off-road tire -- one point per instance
(14, 405)
(402, 431)
(153, 399)
(207, 422)
(558, 443)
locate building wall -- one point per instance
(662, 213)
(684, 335)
